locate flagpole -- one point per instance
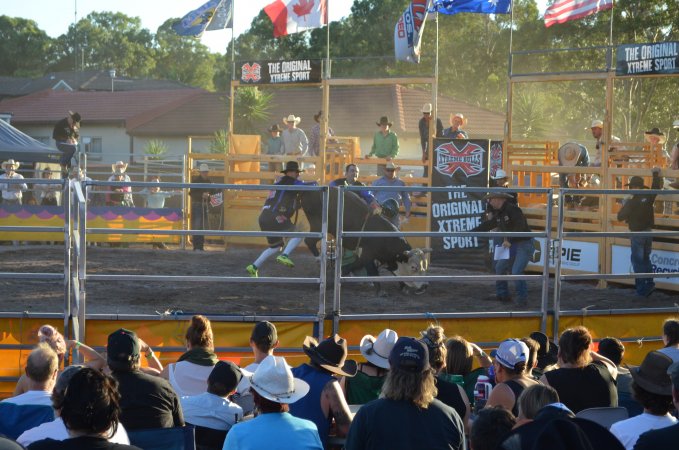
(610, 32)
(327, 40)
(511, 26)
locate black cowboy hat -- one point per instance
(636, 182)
(317, 117)
(291, 166)
(75, 116)
(330, 354)
(384, 120)
(275, 127)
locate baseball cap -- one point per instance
(264, 333)
(409, 354)
(510, 353)
(123, 345)
(227, 374)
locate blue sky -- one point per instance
(54, 16)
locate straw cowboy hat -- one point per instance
(273, 380)
(569, 154)
(655, 132)
(376, 350)
(596, 123)
(391, 166)
(10, 162)
(427, 108)
(292, 118)
(203, 168)
(119, 167)
(384, 120)
(459, 116)
(330, 354)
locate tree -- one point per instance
(107, 40)
(183, 59)
(24, 47)
(251, 110)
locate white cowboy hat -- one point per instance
(273, 380)
(203, 168)
(376, 350)
(459, 116)
(675, 124)
(292, 118)
(119, 167)
(499, 174)
(426, 108)
(390, 165)
(10, 162)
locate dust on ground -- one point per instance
(219, 297)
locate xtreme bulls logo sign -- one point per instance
(468, 159)
(251, 72)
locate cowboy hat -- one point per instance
(391, 166)
(499, 175)
(330, 354)
(636, 182)
(275, 127)
(569, 153)
(459, 116)
(376, 350)
(498, 195)
(10, 162)
(596, 123)
(384, 120)
(675, 124)
(426, 108)
(273, 380)
(292, 118)
(317, 117)
(652, 374)
(203, 168)
(119, 167)
(655, 132)
(75, 116)
(292, 166)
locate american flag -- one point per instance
(564, 10)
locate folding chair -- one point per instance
(177, 438)
(605, 416)
(15, 419)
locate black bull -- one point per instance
(394, 253)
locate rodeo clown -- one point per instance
(276, 216)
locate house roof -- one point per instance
(356, 109)
(95, 107)
(90, 80)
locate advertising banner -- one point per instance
(647, 59)
(280, 72)
(575, 255)
(459, 163)
(663, 261)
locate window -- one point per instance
(92, 146)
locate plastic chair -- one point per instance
(605, 416)
(15, 419)
(177, 438)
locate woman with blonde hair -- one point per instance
(52, 337)
(188, 376)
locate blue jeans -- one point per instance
(641, 262)
(523, 250)
(198, 220)
(68, 151)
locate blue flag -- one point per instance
(195, 22)
(223, 17)
(472, 6)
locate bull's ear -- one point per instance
(427, 250)
(408, 253)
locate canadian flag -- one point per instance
(293, 16)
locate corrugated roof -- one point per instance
(95, 107)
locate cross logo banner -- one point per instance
(468, 159)
(251, 72)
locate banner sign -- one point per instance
(575, 255)
(280, 72)
(648, 59)
(663, 261)
(459, 163)
(495, 156)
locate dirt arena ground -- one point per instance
(140, 297)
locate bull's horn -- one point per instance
(427, 250)
(407, 253)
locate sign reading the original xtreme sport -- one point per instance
(459, 163)
(648, 59)
(280, 72)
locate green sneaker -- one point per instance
(252, 270)
(285, 260)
